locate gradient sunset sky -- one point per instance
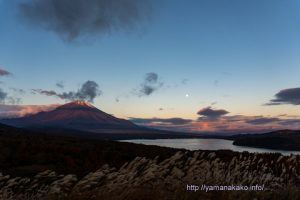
(195, 65)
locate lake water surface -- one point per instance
(205, 144)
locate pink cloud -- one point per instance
(13, 111)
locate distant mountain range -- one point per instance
(80, 118)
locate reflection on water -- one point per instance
(206, 144)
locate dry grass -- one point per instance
(142, 193)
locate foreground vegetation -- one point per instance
(36, 165)
(26, 153)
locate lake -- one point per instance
(205, 144)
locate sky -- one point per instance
(195, 65)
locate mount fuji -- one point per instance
(77, 115)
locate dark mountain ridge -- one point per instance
(280, 140)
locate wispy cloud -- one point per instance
(60, 84)
(3, 96)
(45, 92)
(18, 90)
(4, 72)
(184, 81)
(87, 92)
(14, 97)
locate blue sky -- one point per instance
(234, 54)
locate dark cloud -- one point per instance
(169, 121)
(287, 96)
(150, 84)
(4, 72)
(87, 92)
(60, 84)
(71, 19)
(211, 113)
(263, 120)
